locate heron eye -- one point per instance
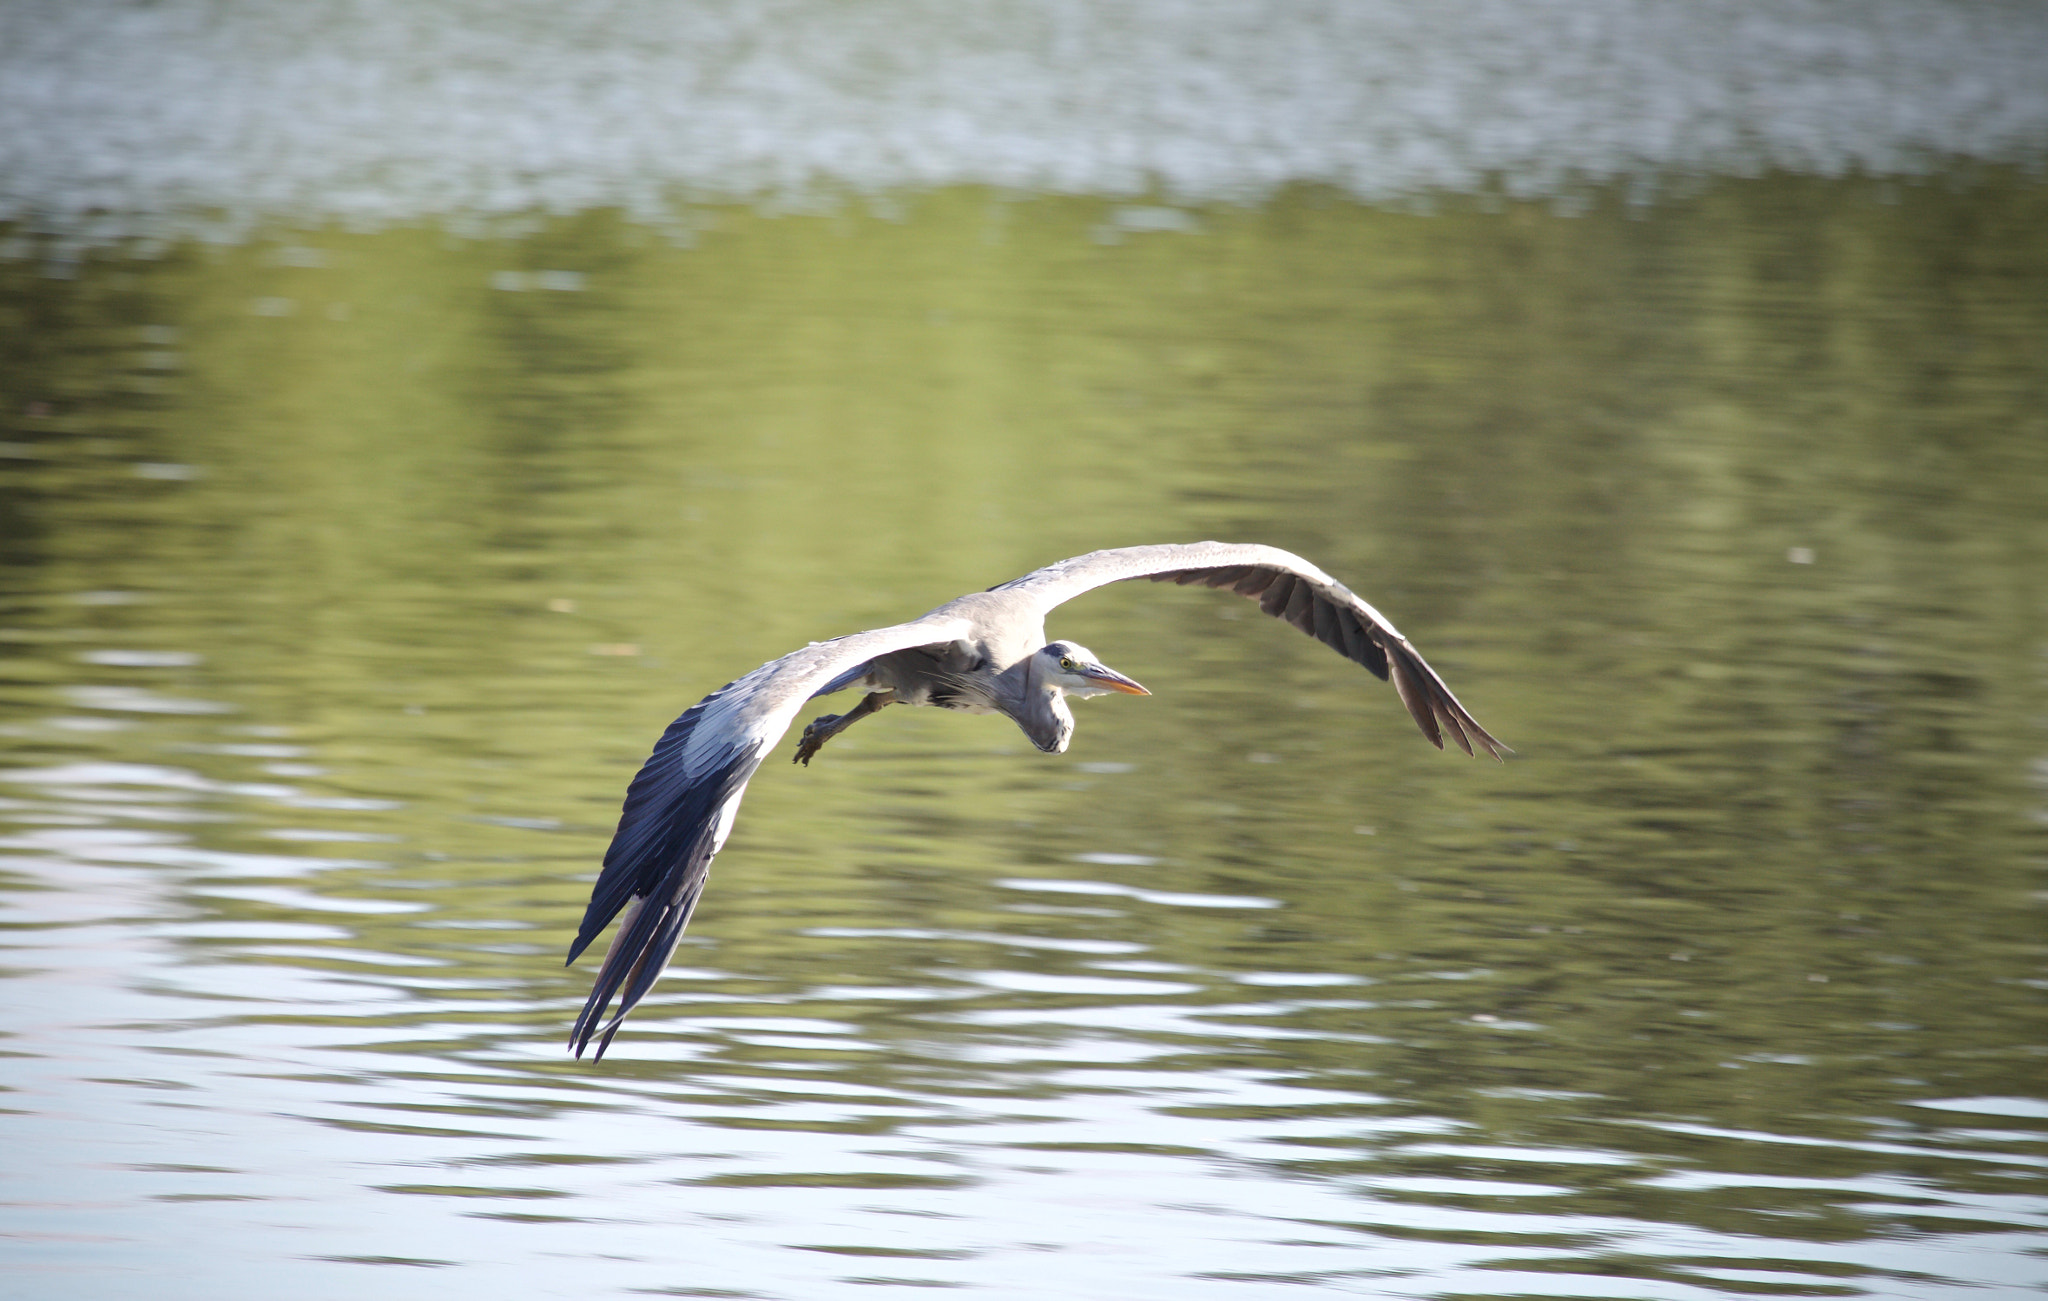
(1067, 662)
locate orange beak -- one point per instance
(1112, 679)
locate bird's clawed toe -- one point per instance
(816, 732)
(826, 726)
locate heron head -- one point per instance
(1073, 670)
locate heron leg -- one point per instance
(826, 726)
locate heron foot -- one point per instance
(816, 732)
(826, 726)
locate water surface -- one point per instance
(348, 577)
(181, 116)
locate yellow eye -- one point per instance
(1067, 662)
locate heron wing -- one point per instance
(1286, 587)
(680, 808)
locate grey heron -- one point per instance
(985, 652)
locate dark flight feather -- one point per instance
(661, 855)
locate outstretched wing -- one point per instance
(681, 806)
(1286, 587)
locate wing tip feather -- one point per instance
(1450, 722)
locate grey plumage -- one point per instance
(985, 652)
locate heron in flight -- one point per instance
(983, 653)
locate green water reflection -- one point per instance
(395, 552)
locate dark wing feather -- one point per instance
(680, 808)
(1289, 588)
(660, 856)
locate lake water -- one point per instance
(347, 575)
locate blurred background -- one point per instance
(407, 409)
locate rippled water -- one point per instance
(121, 119)
(347, 578)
